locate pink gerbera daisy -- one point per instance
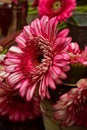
(71, 109)
(39, 61)
(60, 8)
(74, 52)
(15, 107)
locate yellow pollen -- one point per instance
(56, 5)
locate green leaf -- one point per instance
(76, 72)
(62, 25)
(4, 51)
(81, 8)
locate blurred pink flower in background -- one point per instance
(39, 61)
(15, 1)
(15, 107)
(35, 3)
(71, 109)
(60, 8)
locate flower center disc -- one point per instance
(56, 5)
(37, 57)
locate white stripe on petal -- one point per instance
(12, 61)
(30, 92)
(23, 88)
(12, 68)
(21, 40)
(53, 74)
(15, 49)
(36, 26)
(27, 32)
(18, 85)
(15, 77)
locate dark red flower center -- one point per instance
(36, 57)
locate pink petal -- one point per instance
(12, 55)
(55, 74)
(58, 42)
(44, 20)
(63, 75)
(42, 88)
(21, 41)
(47, 94)
(5, 112)
(15, 77)
(52, 83)
(27, 32)
(63, 33)
(12, 68)
(36, 26)
(30, 92)
(18, 85)
(66, 68)
(57, 57)
(24, 87)
(17, 116)
(15, 49)
(12, 61)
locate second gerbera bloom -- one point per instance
(60, 8)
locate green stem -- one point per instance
(74, 20)
(72, 85)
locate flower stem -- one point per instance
(74, 20)
(60, 127)
(73, 85)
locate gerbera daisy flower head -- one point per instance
(39, 60)
(74, 52)
(71, 108)
(14, 107)
(60, 8)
